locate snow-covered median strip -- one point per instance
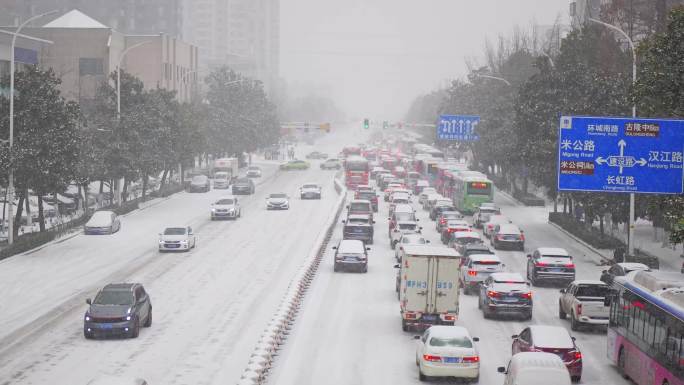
(278, 328)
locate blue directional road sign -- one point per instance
(460, 128)
(621, 155)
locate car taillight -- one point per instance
(499, 237)
(540, 264)
(410, 315)
(431, 358)
(472, 273)
(471, 359)
(442, 221)
(570, 265)
(579, 309)
(522, 237)
(577, 355)
(451, 230)
(449, 317)
(493, 294)
(527, 295)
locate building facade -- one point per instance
(84, 52)
(126, 16)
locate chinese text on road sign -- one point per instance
(620, 155)
(460, 128)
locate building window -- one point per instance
(90, 66)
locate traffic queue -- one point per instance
(431, 277)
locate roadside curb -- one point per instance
(277, 330)
(509, 196)
(581, 242)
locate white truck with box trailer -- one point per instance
(429, 289)
(229, 165)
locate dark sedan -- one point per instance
(243, 186)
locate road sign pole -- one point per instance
(630, 232)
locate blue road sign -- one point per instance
(460, 128)
(621, 155)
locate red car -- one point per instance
(551, 339)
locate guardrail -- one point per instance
(278, 328)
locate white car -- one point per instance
(221, 180)
(278, 201)
(408, 239)
(478, 267)
(489, 226)
(310, 191)
(103, 222)
(226, 208)
(423, 196)
(447, 351)
(253, 172)
(178, 238)
(403, 227)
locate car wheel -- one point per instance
(574, 324)
(575, 378)
(136, 329)
(365, 269)
(479, 303)
(404, 326)
(421, 376)
(88, 336)
(370, 241)
(148, 321)
(394, 244)
(335, 268)
(528, 316)
(561, 313)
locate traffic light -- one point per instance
(366, 123)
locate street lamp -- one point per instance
(117, 195)
(10, 185)
(630, 233)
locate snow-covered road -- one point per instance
(210, 305)
(349, 331)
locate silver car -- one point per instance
(226, 208)
(179, 238)
(278, 201)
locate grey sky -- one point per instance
(375, 56)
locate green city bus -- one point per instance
(471, 191)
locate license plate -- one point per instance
(172, 246)
(555, 270)
(358, 231)
(106, 326)
(429, 317)
(510, 299)
(452, 360)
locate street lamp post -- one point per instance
(10, 184)
(630, 233)
(117, 193)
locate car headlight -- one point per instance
(213, 210)
(87, 318)
(128, 318)
(184, 241)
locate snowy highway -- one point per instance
(210, 304)
(350, 329)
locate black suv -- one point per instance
(358, 226)
(243, 186)
(119, 309)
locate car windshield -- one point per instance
(467, 240)
(278, 196)
(253, 168)
(367, 195)
(417, 241)
(174, 231)
(592, 291)
(114, 297)
(359, 207)
(310, 186)
(242, 181)
(226, 202)
(407, 226)
(404, 216)
(199, 179)
(556, 256)
(453, 342)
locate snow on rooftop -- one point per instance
(75, 19)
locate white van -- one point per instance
(535, 368)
